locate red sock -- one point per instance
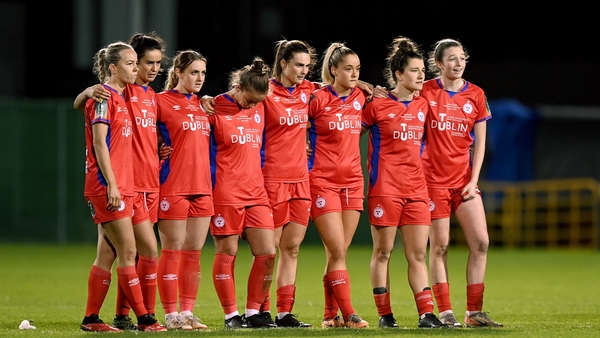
(98, 284)
(147, 268)
(224, 281)
(167, 279)
(340, 284)
(441, 292)
(475, 297)
(189, 279)
(285, 298)
(259, 280)
(331, 305)
(424, 302)
(265, 306)
(382, 301)
(130, 282)
(123, 307)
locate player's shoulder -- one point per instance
(474, 88)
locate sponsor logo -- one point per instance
(134, 282)
(222, 276)
(338, 282)
(170, 276)
(101, 110)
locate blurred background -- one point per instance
(537, 67)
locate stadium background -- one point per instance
(537, 68)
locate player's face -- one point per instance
(295, 70)
(347, 72)
(453, 63)
(192, 78)
(149, 66)
(413, 76)
(249, 98)
(126, 68)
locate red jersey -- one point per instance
(394, 162)
(334, 136)
(446, 154)
(284, 140)
(142, 107)
(185, 128)
(236, 140)
(115, 114)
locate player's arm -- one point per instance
(99, 132)
(469, 191)
(97, 92)
(208, 104)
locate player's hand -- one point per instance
(470, 191)
(380, 92)
(113, 198)
(208, 104)
(98, 93)
(309, 150)
(165, 151)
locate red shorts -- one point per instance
(233, 219)
(444, 201)
(145, 207)
(290, 202)
(326, 200)
(393, 211)
(101, 214)
(182, 207)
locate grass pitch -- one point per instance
(535, 293)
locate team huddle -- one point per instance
(260, 161)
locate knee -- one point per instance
(290, 251)
(418, 256)
(338, 254)
(440, 249)
(383, 254)
(482, 247)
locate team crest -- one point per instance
(257, 118)
(421, 116)
(164, 205)
(378, 212)
(303, 97)
(92, 210)
(467, 108)
(320, 202)
(121, 206)
(356, 105)
(219, 221)
(431, 205)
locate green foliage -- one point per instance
(535, 293)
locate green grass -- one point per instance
(535, 293)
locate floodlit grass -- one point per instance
(535, 293)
